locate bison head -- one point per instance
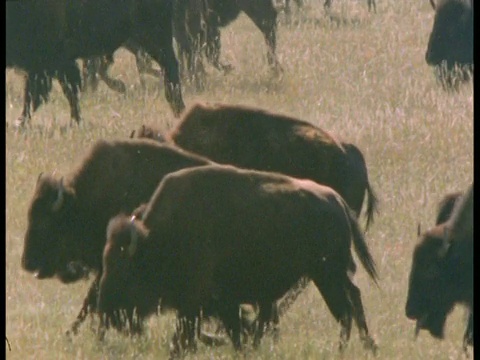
(450, 46)
(119, 285)
(47, 248)
(430, 297)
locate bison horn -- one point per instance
(57, 204)
(446, 243)
(419, 229)
(433, 4)
(132, 134)
(134, 238)
(39, 177)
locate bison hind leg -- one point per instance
(359, 316)
(228, 312)
(344, 302)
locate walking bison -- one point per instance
(254, 138)
(68, 217)
(43, 38)
(442, 272)
(450, 45)
(202, 242)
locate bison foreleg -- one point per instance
(228, 312)
(268, 26)
(71, 82)
(165, 57)
(89, 306)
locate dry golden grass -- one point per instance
(360, 75)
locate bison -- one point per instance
(450, 45)
(67, 217)
(254, 138)
(442, 272)
(202, 241)
(43, 38)
(196, 28)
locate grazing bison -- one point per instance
(442, 272)
(67, 218)
(253, 138)
(44, 38)
(202, 245)
(450, 46)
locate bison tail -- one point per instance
(361, 247)
(372, 205)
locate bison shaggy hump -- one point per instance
(202, 244)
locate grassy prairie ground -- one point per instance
(359, 75)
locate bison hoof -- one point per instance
(227, 68)
(369, 344)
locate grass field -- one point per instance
(359, 75)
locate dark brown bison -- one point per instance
(44, 38)
(450, 46)
(67, 217)
(442, 272)
(196, 28)
(253, 138)
(202, 245)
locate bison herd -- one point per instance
(234, 208)
(45, 38)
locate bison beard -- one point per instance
(202, 241)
